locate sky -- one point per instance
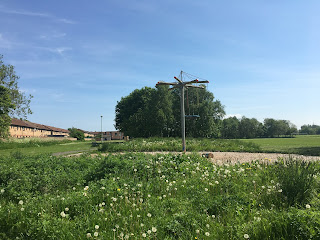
(78, 58)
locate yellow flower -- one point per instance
(118, 189)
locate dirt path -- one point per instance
(231, 157)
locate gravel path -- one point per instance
(233, 157)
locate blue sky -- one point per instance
(78, 58)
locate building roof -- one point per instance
(23, 123)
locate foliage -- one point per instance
(5, 106)
(310, 129)
(151, 112)
(174, 144)
(296, 179)
(20, 103)
(76, 133)
(137, 196)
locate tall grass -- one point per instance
(174, 144)
(29, 142)
(138, 196)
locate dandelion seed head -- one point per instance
(207, 234)
(89, 235)
(246, 236)
(96, 234)
(63, 214)
(154, 229)
(96, 227)
(308, 206)
(21, 202)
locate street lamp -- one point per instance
(101, 131)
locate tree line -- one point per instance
(150, 112)
(233, 128)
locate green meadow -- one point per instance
(300, 144)
(141, 196)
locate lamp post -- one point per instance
(101, 131)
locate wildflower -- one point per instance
(2, 190)
(149, 231)
(154, 229)
(213, 216)
(308, 206)
(63, 214)
(280, 190)
(102, 188)
(197, 231)
(135, 170)
(117, 226)
(96, 234)
(21, 202)
(149, 215)
(89, 235)
(86, 188)
(141, 224)
(246, 236)
(96, 227)
(206, 189)
(144, 235)
(121, 234)
(66, 209)
(207, 234)
(216, 182)
(22, 209)
(118, 189)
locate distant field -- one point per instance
(305, 144)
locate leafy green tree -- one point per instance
(5, 106)
(150, 112)
(250, 128)
(310, 129)
(20, 106)
(76, 133)
(133, 113)
(230, 128)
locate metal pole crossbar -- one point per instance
(182, 86)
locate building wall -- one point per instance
(26, 132)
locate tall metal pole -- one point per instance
(101, 131)
(183, 120)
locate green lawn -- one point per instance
(56, 148)
(303, 144)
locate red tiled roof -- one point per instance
(22, 123)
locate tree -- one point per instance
(250, 128)
(20, 103)
(76, 133)
(150, 112)
(134, 113)
(230, 128)
(5, 106)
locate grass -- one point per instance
(174, 145)
(303, 144)
(43, 147)
(140, 196)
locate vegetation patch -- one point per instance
(140, 196)
(174, 145)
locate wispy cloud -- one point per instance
(36, 14)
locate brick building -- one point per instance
(26, 129)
